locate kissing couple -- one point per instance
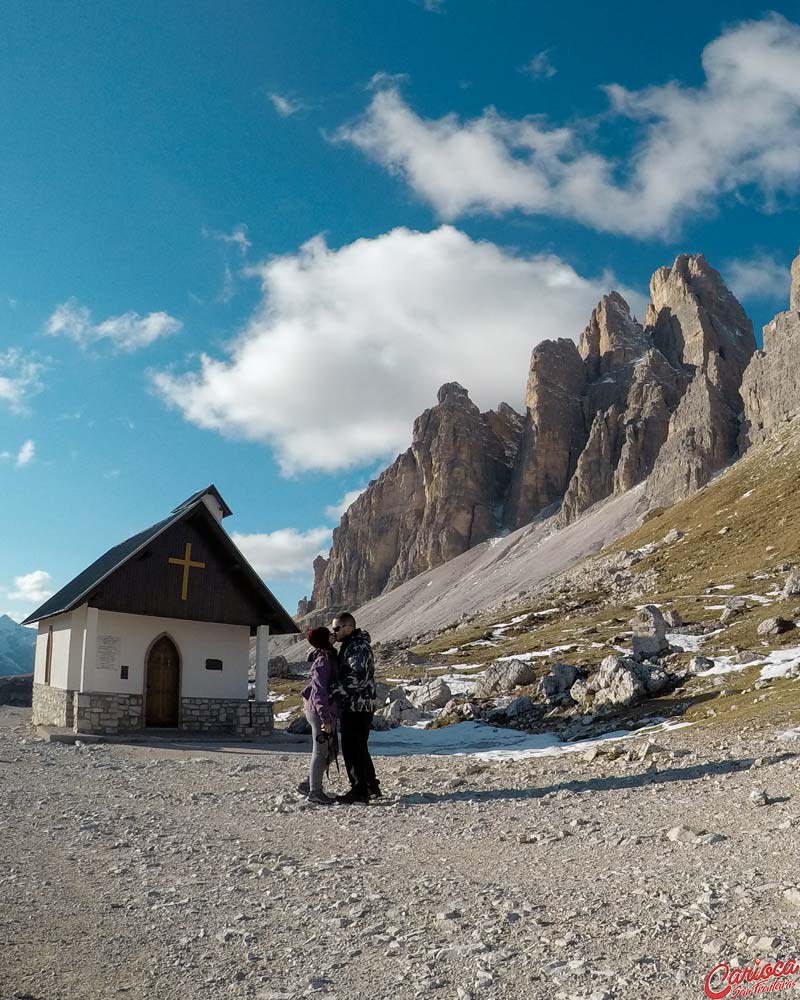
(340, 692)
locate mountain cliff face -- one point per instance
(771, 383)
(435, 501)
(669, 402)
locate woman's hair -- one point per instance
(319, 637)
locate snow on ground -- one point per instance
(283, 716)
(777, 663)
(538, 653)
(690, 643)
(491, 743)
(547, 611)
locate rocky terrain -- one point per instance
(635, 868)
(627, 403)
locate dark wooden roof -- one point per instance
(139, 576)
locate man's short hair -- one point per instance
(345, 618)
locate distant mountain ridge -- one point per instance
(17, 648)
(669, 403)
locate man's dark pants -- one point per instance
(355, 728)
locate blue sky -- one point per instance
(245, 246)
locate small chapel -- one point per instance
(156, 634)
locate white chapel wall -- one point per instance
(126, 639)
(59, 656)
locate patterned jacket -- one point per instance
(357, 690)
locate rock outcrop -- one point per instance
(771, 383)
(554, 433)
(699, 326)
(436, 500)
(660, 402)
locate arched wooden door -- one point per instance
(163, 684)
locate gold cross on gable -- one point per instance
(187, 564)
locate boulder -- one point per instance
(649, 632)
(555, 686)
(672, 618)
(397, 693)
(619, 682)
(279, 667)
(400, 712)
(520, 707)
(792, 586)
(381, 692)
(699, 664)
(504, 676)
(432, 695)
(775, 626)
(299, 726)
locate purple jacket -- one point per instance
(317, 692)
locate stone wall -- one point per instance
(52, 706)
(108, 713)
(228, 716)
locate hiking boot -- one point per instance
(375, 792)
(320, 799)
(304, 788)
(352, 796)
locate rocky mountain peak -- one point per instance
(453, 393)
(693, 315)
(436, 500)
(794, 294)
(612, 338)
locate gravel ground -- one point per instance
(139, 871)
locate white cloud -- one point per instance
(335, 511)
(32, 587)
(127, 332)
(350, 345)
(541, 66)
(25, 454)
(286, 106)
(737, 132)
(284, 553)
(759, 277)
(20, 378)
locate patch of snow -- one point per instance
(547, 611)
(744, 496)
(538, 653)
(714, 607)
(723, 586)
(479, 642)
(283, 716)
(277, 697)
(490, 743)
(514, 621)
(773, 664)
(453, 649)
(688, 643)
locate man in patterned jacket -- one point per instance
(357, 696)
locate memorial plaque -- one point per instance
(109, 649)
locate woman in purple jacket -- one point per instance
(321, 710)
